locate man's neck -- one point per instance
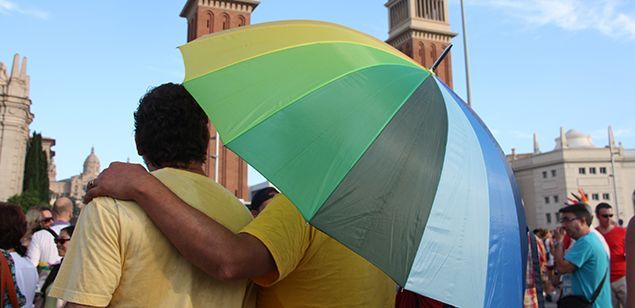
(191, 167)
(606, 229)
(583, 232)
(61, 220)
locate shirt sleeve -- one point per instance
(42, 249)
(92, 266)
(285, 233)
(579, 253)
(33, 251)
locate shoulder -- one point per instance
(41, 235)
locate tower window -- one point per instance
(548, 215)
(553, 173)
(547, 200)
(582, 170)
(544, 174)
(210, 22)
(595, 196)
(592, 170)
(555, 198)
(398, 13)
(605, 196)
(241, 21)
(226, 24)
(603, 170)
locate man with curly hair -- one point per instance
(117, 257)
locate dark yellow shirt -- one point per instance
(313, 270)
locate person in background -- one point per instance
(12, 229)
(630, 261)
(261, 198)
(586, 260)
(614, 236)
(41, 250)
(62, 214)
(62, 242)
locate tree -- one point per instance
(36, 178)
(26, 200)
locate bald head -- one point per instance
(63, 209)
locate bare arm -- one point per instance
(563, 266)
(201, 240)
(630, 263)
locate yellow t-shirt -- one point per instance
(117, 257)
(312, 268)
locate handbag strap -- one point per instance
(599, 288)
(7, 284)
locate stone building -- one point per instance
(75, 186)
(546, 179)
(15, 117)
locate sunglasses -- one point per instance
(607, 215)
(61, 241)
(47, 219)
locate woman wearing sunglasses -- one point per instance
(62, 243)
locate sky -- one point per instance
(535, 65)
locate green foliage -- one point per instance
(26, 200)
(36, 179)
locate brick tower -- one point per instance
(421, 30)
(209, 16)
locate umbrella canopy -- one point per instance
(373, 149)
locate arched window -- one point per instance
(226, 24)
(210, 22)
(241, 21)
(422, 53)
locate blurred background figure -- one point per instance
(21, 272)
(614, 236)
(261, 199)
(62, 214)
(62, 243)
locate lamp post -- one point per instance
(467, 70)
(617, 199)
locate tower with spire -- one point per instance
(15, 118)
(421, 30)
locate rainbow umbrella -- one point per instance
(373, 149)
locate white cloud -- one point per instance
(606, 16)
(8, 7)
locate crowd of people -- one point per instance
(33, 245)
(172, 237)
(579, 259)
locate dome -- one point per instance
(576, 139)
(91, 164)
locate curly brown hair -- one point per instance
(171, 129)
(12, 225)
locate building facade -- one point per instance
(421, 30)
(547, 179)
(210, 16)
(15, 118)
(75, 186)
